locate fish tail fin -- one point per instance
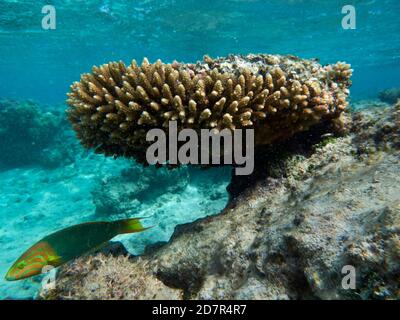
(130, 225)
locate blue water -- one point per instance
(41, 64)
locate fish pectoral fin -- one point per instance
(55, 261)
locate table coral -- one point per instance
(112, 108)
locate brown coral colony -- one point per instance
(113, 107)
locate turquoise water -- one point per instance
(40, 65)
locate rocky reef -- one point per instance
(31, 136)
(390, 95)
(112, 108)
(324, 203)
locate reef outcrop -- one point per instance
(287, 235)
(112, 108)
(31, 136)
(390, 95)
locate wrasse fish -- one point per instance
(67, 244)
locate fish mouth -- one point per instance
(9, 277)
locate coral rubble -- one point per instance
(287, 236)
(112, 108)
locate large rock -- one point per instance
(287, 234)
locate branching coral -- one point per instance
(113, 107)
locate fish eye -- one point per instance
(21, 265)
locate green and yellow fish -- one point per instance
(69, 243)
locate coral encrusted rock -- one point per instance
(112, 108)
(288, 235)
